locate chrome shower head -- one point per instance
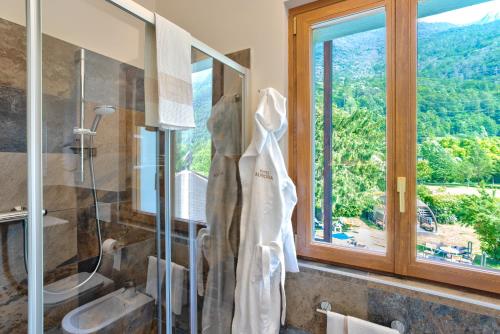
(101, 111)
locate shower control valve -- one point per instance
(81, 131)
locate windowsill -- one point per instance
(434, 292)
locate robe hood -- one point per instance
(270, 117)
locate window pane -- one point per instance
(349, 97)
(458, 113)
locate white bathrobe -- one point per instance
(218, 240)
(267, 246)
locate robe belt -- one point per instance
(201, 239)
(266, 257)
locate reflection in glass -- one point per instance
(207, 187)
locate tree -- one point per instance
(358, 160)
(445, 168)
(424, 171)
(483, 214)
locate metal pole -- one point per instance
(158, 237)
(327, 142)
(82, 114)
(35, 180)
(168, 239)
(193, 287)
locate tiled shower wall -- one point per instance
(70, 235)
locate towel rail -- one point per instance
(395, 324)
(148, 16)
(15, 215)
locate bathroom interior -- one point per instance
(124, 202)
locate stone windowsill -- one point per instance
(455, 297)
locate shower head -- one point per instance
(101, 111)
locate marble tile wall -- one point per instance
(380, 303)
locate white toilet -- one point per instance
(122, 311)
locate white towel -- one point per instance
(335, 323)
(177, 287)
(175, 92)
(177, 275)
(151, 288)
(358, 326)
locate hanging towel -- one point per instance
(358, 326)
(177, 287)
(202, 246)
(151, 287)
(335, 323)
(173, 108)
(177, 275)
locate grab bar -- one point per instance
(15, 215)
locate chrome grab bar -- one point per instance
(15, 215)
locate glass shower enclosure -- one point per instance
(102, 217)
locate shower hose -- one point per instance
(98, 226)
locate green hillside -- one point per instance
(458, 76)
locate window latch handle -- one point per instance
(401, 189)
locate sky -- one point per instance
(466, 15)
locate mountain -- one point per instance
(458, 76)
(492, 17)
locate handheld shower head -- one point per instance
(101, 111)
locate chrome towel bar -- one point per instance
(15, 215)
(396, 324)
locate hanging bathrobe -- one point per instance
(222, 198)
(267, 246)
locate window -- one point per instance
(349, 124)
(394, 125)
(146, 171)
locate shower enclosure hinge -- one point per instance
(295, 25)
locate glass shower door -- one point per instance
(206, 198)
(111, 184)
(100, 170)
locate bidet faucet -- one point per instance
(130, 289)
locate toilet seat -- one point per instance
(51, 299)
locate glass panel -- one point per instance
(207, 196)
(99, 172)
(192, 155)
(13, 277)
(349, 103)
(458, 161)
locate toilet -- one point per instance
(122, 311)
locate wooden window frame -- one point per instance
(401, 257)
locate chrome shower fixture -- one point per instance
(101, 111)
